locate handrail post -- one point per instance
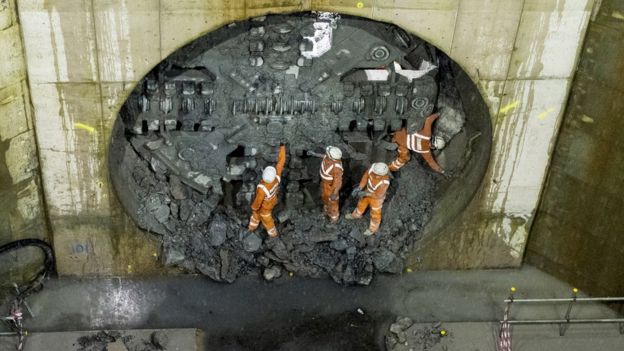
(504, 334)
(563, 327)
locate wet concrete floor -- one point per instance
(291, 313)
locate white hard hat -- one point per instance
(269, 173)
(380, 168)
(334, 152)
(438, 143)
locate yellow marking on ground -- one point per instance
(83, 126)
(586, 119)
(545, 113)
(617, 14)
(509, 107)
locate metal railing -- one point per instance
(564, 322)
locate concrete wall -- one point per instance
(84, 56)
(21, 206)
(578, 233)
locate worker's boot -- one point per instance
(272, 233)
(352, 216)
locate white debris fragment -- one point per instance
(411, 74)
(360, 311)
(321, 40)
(377, 74)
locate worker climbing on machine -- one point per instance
(420, 142)
(372, 193)
(331, 182)
(266, 196)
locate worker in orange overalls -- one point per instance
(266, 196)
(419, 142)
(372, 192)
(331, 182)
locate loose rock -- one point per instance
(272, 273)
(251, 242)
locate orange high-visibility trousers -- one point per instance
(266, 217)
(375, 211)
(403, 156)
(330, 207)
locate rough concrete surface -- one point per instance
(22, 213)
(577, 233)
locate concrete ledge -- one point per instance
(484, 336)
(121, 340)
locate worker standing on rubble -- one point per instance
(267, 193)
(331, 182)
(371, 192)
(419, 142)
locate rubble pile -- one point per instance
(213, 240)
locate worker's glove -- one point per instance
(359, 193)
(333, 197)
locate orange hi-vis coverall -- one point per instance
(331, 182)
(266, 199)
(376, 187)
(419, 142)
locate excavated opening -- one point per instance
(191, 141)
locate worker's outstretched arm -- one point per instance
(281, 160)
(432, 162)
(364, 179)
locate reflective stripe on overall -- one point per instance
(325, 172)
(414, 143)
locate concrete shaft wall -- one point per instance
(84, 57)
(21, 207)
(578, 233)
